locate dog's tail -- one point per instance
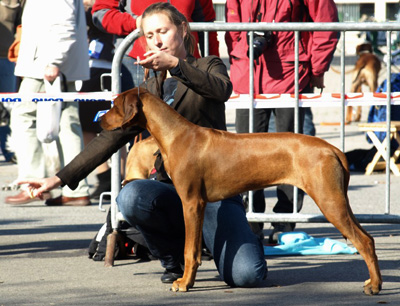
(358, 73)
(339, 72)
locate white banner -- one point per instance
(236, 101)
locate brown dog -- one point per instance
(140, 160)
(224, 164)
(365, 72)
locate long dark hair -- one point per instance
(177, 18)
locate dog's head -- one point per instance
(364, 48)
(122, 114)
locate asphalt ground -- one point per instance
(43, 251)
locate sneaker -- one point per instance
(280, 228)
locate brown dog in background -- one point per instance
(140, 160)
(224, 164)
(365, 72)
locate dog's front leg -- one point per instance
(193, 213)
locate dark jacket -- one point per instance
(10, 18)
(202, 89)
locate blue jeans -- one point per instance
(155, 209)
(8, 83)
(5, 132)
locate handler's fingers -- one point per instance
(31, 191)
(149, 53)
(34, 188)
(31, 183)
(147, 62)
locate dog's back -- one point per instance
(366, 70)
(299, 154)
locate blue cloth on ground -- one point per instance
(299, 243)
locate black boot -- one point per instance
(104, 185)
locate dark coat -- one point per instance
(203, 87)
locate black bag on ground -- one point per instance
(359, 159)
(133, 241)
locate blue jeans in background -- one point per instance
(8, 83)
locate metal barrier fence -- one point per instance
(296, 28)
(249, 101)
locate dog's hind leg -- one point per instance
(333, 203)
(193, 212)
(371, 80)
(354, 114)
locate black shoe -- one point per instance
(206, 255)
(104, 185)
(12, 158)
(170, 276)
(280, 228)
(257, 229)
(99, 190)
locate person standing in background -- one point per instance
(10, 18)
(53, 42)
(274, 71)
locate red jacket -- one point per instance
(108, 16)
(275, 71)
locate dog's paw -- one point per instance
(178, 285)
(181, 285)
(370, 289)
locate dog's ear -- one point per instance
(123, 112)
(130, 108)
(369, 48)
(358, 49)
(364, 47)
(114, 117)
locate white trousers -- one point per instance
(31, 153)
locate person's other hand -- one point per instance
(51, 72)
(317, 81)
(36, 187)
(158, 61)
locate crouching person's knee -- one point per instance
(130, 200)
(245, 271)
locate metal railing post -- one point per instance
(296, 108)
(116, 157)
(388, 119)
(251, 103)
(343, 91)
(252, 27)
